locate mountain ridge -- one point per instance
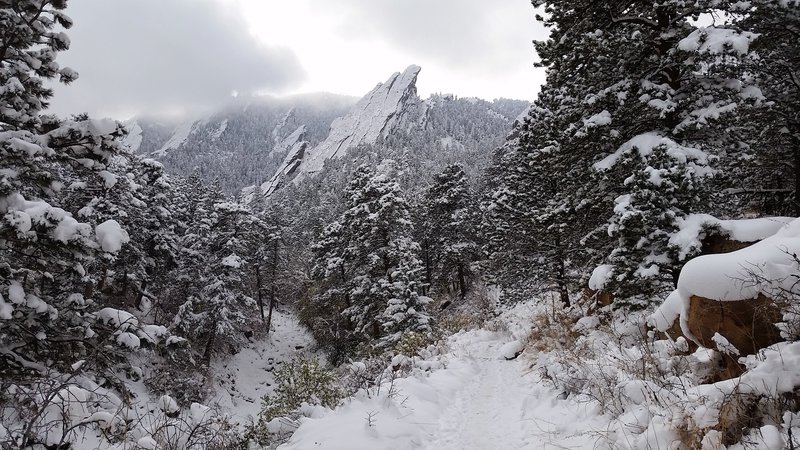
(260, 144)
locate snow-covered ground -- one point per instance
(239, 384)
(470, 397)
(241, 381)
(504, 405)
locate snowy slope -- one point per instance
(133, 140)
(472, 398)
(241, 381)
(179, 136)
(237, 388)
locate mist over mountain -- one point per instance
(258, 142)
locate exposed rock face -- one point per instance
(240, 144)
(748, 325)
(297, 146)
(372, 118)
(252, 144)
(716, 243)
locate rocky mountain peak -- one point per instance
(372, 118)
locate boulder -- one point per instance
(748, 325)
(597, 299)
(717, 243)
(512, 349)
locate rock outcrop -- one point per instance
(733, 300)
(747, 326)
(297, 145)
(372, 118)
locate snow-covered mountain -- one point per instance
(240, 144)
(273, 141)
(392, 118)
(373, 117)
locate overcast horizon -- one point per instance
(190, 56)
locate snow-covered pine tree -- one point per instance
(47, 253)
(30, 41)
(133, 192)
(217, 311)
(264, 235)
(644, 219)
(369, 262)
(155, 256)
(535, 217)
(627, 71)
(771, 169)
(449, 228)
(323, 314)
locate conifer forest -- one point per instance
(609, 264)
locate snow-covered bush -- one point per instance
(640, 382)
(410, 343)
(302, 384)
(194, 428)
(467, 313)
(301, 381)
(656, 392)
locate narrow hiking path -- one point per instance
(241, 380)
(506, 405)
(473, 399)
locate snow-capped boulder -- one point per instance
(734, 328)
(712, 236)
(512, 349)
(732, 302)
(168, 405)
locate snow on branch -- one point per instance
(716, 41)
(646, 143)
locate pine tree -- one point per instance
(48, 247)
(770, 170)
(644, 219)
(29, 44)
(368, 260)
(217, 312)
(265, 233)
(619, 72)
(449, 229)
(534, 217)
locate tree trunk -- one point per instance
(212, 338)
(426, 251)
(140, 295)
(273, 297)
(387, 269)
(273, 302)
(796, 199)
(561, 274)
(462, 282)
(259, 298)
(125, 286)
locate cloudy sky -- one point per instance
(178, 56)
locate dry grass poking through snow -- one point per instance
(652, 388)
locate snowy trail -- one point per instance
(243, 379)
(477, 401)
(505, 406)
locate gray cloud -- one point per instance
(484, 36)
(160, 56)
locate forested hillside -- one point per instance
(616, 267)
(251, 142)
